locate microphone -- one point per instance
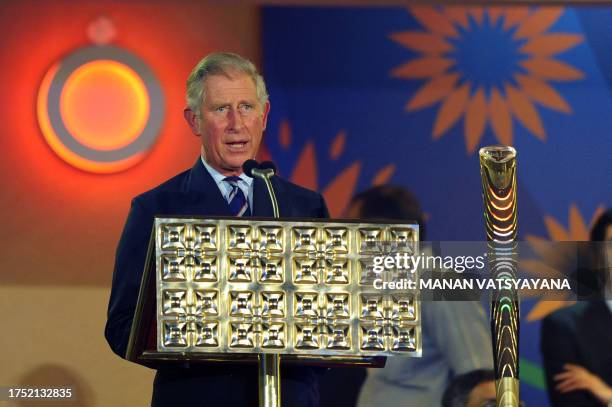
(254, 169)
(263, 171)
(268, 165)
(249, 166)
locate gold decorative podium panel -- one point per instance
(269, 286)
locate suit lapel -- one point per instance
(203, 194)
(262, 206)
(261, 199)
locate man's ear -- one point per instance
(266, 110)
(192, 120)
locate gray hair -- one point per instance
(221, 63)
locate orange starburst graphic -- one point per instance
(339, 191)
(491, 64)
(554, 258)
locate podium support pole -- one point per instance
(269, 380)
(269, 364)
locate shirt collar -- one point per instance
(218, 177)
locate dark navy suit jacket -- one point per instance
(580, 334)
(194, 192)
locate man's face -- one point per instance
(230, 122)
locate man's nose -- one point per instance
(234, 120)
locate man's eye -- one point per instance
(221, 109)
(246, 107)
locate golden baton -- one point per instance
(498, 175)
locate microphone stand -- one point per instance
(265, 174)
(269, 363)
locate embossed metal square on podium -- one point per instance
(230, 288)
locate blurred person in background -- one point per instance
(576, 341)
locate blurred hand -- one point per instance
(576, 377)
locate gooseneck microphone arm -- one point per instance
(263, 171)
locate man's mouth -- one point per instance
(237, 145)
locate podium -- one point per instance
(256, 290)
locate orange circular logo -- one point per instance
(100, 109)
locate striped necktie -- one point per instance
(239, 205)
